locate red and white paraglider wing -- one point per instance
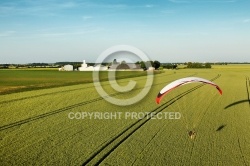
(181, 82)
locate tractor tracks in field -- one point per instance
(30, 97)
(18, 123)
(248, 89)
(105, 150)
(241, 151)
(237, 133)
(239, 145)
(46, 94)
(50, 113)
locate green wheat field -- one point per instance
(35, 127)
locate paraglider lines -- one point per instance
(104, 151)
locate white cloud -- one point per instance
(82, 32)
(246, 21)
(86, 17)
(149, 6)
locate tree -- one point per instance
(174, 66)
(189, 65)
(160, 68)
(207, 65)
(157, 64)
(143, 66)
(198, 65)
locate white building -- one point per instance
(85, 67)
(68, 68)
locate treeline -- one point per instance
(145, 64)
(198, 65)
(29, 65)
(169, 66)
(158, 65)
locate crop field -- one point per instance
(37, 127)
(18, 80)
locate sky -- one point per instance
(166, 30)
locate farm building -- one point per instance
(85, 67)
(66, 68)
(125, 66)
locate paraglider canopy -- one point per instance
(181, 82)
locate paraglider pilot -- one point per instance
(191, 134)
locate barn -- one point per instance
(68, 68)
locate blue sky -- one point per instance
(167, 30)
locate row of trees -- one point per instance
(198, 65)
(29, 65)
(156, 64)
(145, 65)
(169, 66)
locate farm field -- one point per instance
(18, 80)
(36, 127)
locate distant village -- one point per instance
(83, 66)
(122, 66)
(115, 65)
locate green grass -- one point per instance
(54, 139)
(23, 80)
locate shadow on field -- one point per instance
(221, 127)
(237, 102)
(248, 95)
